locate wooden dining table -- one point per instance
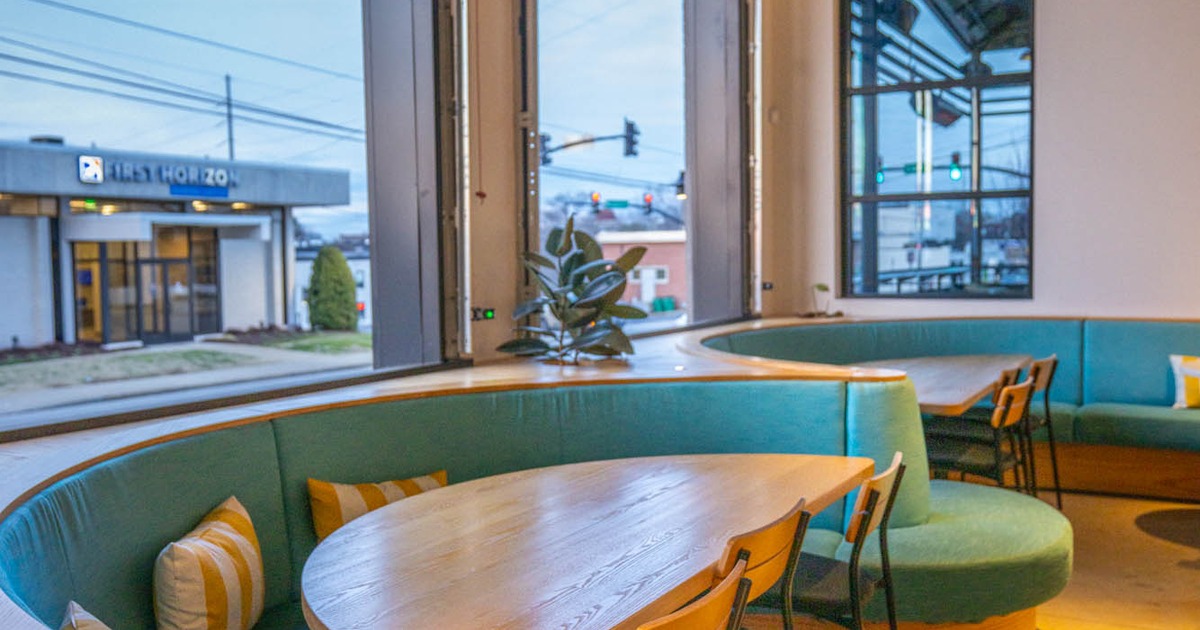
(951, 384)
(604, 544)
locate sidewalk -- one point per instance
(246, 363)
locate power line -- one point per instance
(188, 108)
(194, 94)
(193, 38)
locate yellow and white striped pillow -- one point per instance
(213, 577)
(1187, 380)
(79, 619)
(335, 504)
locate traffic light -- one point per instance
(649, 201)
(955, 167)
(595, 202)
(543, 145)
(878, 170)
(631, 138)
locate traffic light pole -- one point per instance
(629, 136)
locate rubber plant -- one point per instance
(578, 300)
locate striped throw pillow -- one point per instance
(335, 504)
(79, 619)
(213, 577)
(1187, 380)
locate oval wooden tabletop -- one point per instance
(606, 544)
(949, 385)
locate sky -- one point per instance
(325, 34)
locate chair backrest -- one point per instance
(1007, 377)
(720, 609)
(1012, 404)
(770, 548)
(1042, 373)
(875, 492)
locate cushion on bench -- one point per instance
(1150, 426)
(93, 537)
(985, 551)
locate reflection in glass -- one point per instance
(924, 162)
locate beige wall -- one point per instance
(1117, 149)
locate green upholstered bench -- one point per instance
(93, 535)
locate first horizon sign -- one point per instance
(93, 169)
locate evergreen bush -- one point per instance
(331, 300)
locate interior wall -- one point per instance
(494, 171)
(1115, 129)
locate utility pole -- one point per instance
(229, 114)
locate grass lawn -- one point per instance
(116, 366)
(324, 342)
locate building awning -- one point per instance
(139, 226)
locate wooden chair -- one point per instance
(1042, 372)
(1006, 447)
(836, 590)
(975, 425)
(773, 550)
(720, 608)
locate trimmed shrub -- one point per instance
(331, 299)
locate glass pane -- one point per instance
(89, 325)
(1005, 249)
(153, 300)
(170, 242)
(919, 247)
(179, 293)
(912, 41)
(122, 299)
(612, 133)
(1006, 123)
(205, 291)
(923, 143)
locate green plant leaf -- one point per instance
(821, 286)
(538, 259)
(588, 245)
(625, 311)
(566, 275)
(617, 340)
(600, 287)
(593, 336)
(597, 266)
(525, 309)
(538, 330)
(554, 240)
(526, 346)
(566, 242)
(630, 258)
(602, 351)
(579, 317)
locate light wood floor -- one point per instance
(1137, 566)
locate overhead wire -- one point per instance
(194, 38)
(180, 106)
(194, 95)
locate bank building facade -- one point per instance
(124, 248)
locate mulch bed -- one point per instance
(261, 336)
(49, 351)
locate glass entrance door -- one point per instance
(165, 294)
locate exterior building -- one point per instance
(659, 283)
(117, 247)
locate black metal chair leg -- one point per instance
(1054, 462)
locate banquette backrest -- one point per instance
(855, 341)
(1127, 359)
(93, 536)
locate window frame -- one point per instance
(974, 196)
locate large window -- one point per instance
(183, 166)
(937, 159)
